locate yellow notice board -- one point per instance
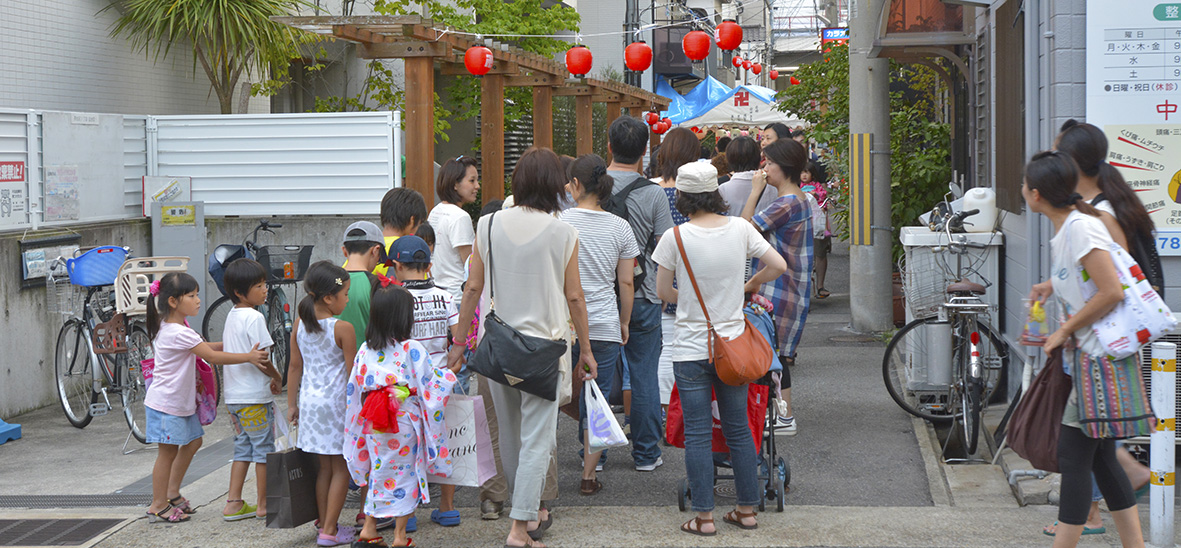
(860, 187)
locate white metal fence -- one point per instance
(279, 164)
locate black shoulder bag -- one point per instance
(505, 355)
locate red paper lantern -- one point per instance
(696, 45)
(696, 129)
(478, 60)
(756, 68)
(728, 35)
(668, 124)
(579, 60)
(795, 81)
(746, 64)
(737, 61)
(655, 128)
(774, 74)
(638, 56)
(651, 118)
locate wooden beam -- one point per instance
(532, 80)
(576, 91)
(492, 136)
(403, 49)
(543, 116)
(584, 122)
(601, 96)
(634, 103)
(634, 111)
(613, 111)
(354, 34)
(498, 67)
(420, 126)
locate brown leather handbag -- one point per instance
(738, 361)
(1037, 419)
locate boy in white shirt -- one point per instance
(435, 321)
(249, 389)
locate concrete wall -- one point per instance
(58, 55)
(30, 332)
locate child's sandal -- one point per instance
(183, 505)
(377, 542)
(170, 514)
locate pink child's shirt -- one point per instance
(174, 381)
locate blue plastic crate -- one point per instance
(99, 266)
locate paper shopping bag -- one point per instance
(291, 489)
(601, 425)
(466, 425)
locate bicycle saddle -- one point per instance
(965, 286)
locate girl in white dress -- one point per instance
(322, 351)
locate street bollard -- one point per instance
(1164, 439)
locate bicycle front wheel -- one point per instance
(73, 369)
(970, 407)
(215, 319)
(278, 324)
(139, 348)
(905, 367)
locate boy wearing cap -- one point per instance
(364, 249)
(435, 323)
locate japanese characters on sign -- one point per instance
(1149, 156)
(14, 203)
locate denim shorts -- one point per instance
(254, 431)
(171, 429)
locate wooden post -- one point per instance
(420, 126)
(583, 109)
(492, 136)
(635, 112)
(543, 116)
(613, 110)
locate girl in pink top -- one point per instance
(171, 400)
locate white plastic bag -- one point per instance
(604, 430)
(284, 432)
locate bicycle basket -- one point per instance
(924, 282)
(221, 257)
(62, 296)
(285, 263)
(96, 267)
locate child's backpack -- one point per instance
(617, 204)
(206, 393)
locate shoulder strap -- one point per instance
(1098, 199)
(692, 280)
(491, 286)
(623, 194)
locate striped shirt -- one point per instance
(434, 314)
(603, 240)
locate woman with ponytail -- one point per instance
(322, 352)
(1080, 242)
(606, 260)
(1102, 185)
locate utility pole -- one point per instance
(870, 283)
(631, 22)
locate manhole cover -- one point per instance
(725, 490)
(52, 532)
(853, 339)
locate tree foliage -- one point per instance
(230, 38)
(920, 138)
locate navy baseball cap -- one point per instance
(410, 249)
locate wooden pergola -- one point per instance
(422, 43)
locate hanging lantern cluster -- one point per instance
(579, 60)
(638, 56)
(478, 60)
(728, 35)
(696, 45)
(651, 118)
(662, 126)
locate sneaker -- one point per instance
(411, 524)
(344, 535)
(248, 511)
(352, 499)
(599, 466)
(650, 467)
(490, 510)
(446, 519)
(785, 426)
(386, 523)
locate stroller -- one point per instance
(774, 469)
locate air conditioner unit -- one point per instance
(668, 55)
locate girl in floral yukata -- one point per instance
(394, 433)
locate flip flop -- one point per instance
(536, 534)
(823, 293)
(685, 527)
(1086, 530)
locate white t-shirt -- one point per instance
(434, 314)
(244, 382)
(603, 240)
(453, 228)
(718, 256)
(1080, 234)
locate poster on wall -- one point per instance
(61, 193)
(1133, 93)
(14, 198)
(165, 189)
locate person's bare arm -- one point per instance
(664, 285)
(1102, 270)
(206, 352)
(625, 272)
(464, 251)
(473, 290)
(757, 184)
(294, 376)
(1114, 228)
(773, 267)
(576, 301)
(346, 340)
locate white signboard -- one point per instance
(166, 189)
(1134, 93)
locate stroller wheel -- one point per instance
(784, 471)
(683, 494)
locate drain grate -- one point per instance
(52, 532)
(74, 501)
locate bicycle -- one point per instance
(99, 352)
(960, 337)
(284, 265)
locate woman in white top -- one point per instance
(607, 250)
(538, 291)
(718, 248)
(743, 155)
(458, 184)
(1080, 242)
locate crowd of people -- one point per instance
(583, 251)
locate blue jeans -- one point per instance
(607, 357)
(643, 360)
(694, 381)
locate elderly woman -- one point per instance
(717, 248)
(537, 289)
